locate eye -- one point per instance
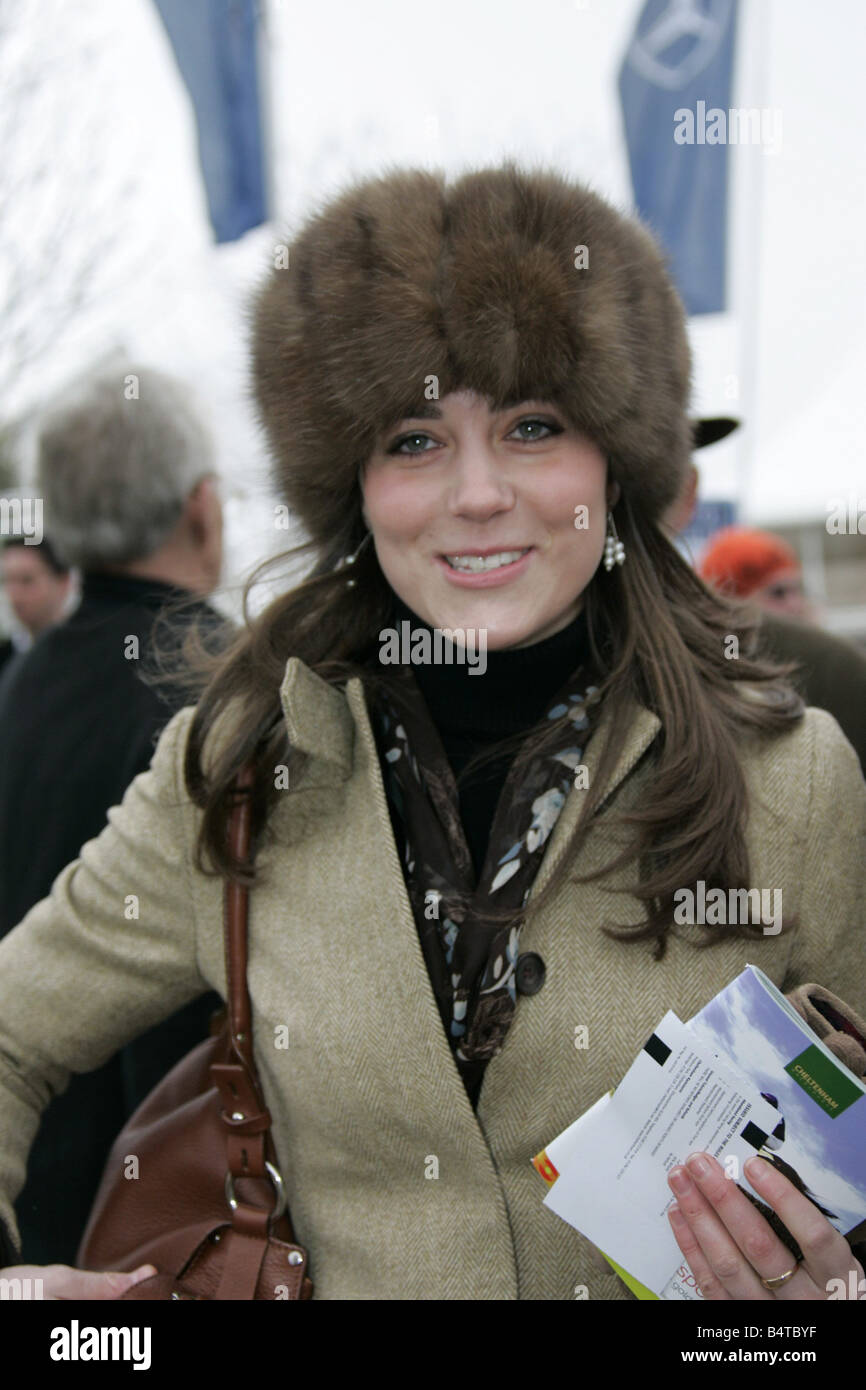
(535, 423)
(397, 446)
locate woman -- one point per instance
(476, 394)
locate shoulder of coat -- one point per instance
(805, 758)
(833, 756)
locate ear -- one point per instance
(194, 508)
(614, 492)
(203, 507)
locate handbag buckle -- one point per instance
(277, 1182)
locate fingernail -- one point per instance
(143, 1272)
(698, 1165)
(680, 1181)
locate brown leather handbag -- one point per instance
(192, 1184)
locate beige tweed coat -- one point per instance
(366, 1094)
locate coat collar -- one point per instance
(321, 722)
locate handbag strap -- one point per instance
(235, 922)
(246, 1120)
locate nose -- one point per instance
(479, 487)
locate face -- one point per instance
(36, 594)
(488, 521)
(783, 594)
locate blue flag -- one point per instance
(215, 42)
(676, 74)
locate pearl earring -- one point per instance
(350, 559)
(614, 550)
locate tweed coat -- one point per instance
(366, 1094)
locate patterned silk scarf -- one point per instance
(471, 961)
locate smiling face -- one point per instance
(475, 517)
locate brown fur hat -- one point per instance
(402, 278)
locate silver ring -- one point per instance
(279, 1190)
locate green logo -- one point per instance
(823, 1081)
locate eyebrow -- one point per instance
(429, 410)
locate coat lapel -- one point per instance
(319, 724)
(641, 727)
(335, 732)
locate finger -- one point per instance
(750, 1249)
(709, 1286)
(727, 1261)
(826, 1253)
(101, 1284)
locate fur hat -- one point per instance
(481, 285)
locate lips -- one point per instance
(484, 568)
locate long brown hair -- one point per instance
(658, 637)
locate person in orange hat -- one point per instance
(758, 566)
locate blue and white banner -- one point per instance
(215, 44)
(675, 90)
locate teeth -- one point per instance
(474, 564)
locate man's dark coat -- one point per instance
(77, 724)
(831, 673)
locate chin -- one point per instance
(506, 624)
(501, 636)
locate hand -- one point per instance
(64, 1282)
(730, 1247)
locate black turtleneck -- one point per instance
(472, 712)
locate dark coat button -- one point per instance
(530, 973)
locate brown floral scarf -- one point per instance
(472, 961)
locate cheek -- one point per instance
(398, 508)
(574, 506)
